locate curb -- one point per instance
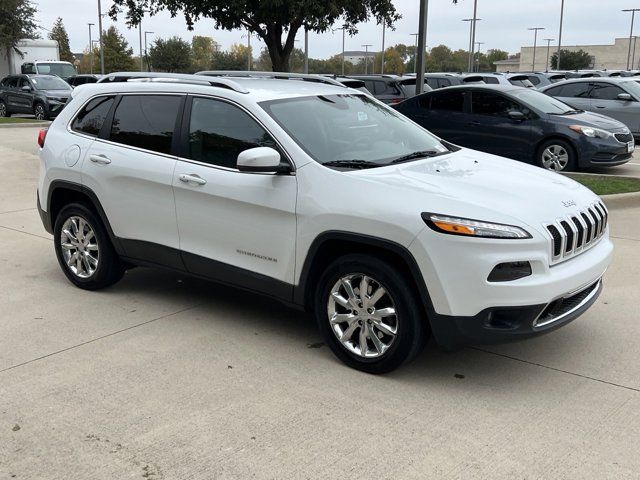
(25, 124)
(619, 201)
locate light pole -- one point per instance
(472, 22)
(366, 57)
(248, 50)
(140, 38)
(101, 45)
(633, 55)
(146, 54)
(422, 45)
(473, 26)
(535, 45)
(343, 28)
(90, 50)
(478, 62)
(382, 62)
(560, 35)
(415, 51)
(548, 40)
(633, 16)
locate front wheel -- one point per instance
(556, 155)
(40, 112)
(4, 112)
(369, 314)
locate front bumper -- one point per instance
(55, 107)
(595, 152)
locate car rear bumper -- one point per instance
(46, 221)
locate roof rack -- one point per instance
(173, 78)
(273, 75)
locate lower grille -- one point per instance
(576, 233)
(624, 137)
(562, 307)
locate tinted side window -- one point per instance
(533, 79)
(576, 90)
(24, 83)
(486, 103)
(555, 91)
(606, 92)
(369, 85)
(91, 117)
(449, 101)
(12, 82)
(433, 83)
(493, 80)
(445, 82)
(219, 131)
(384, 88)
(146, 121)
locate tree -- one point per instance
(118, 56)
(202, 51)
(492, 55)
(16, 22)
(394, 59)
(172, 55)
(235, 59)
(269, 19)
(571, 60)
(59, 34)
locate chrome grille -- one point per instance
(578, 232)
(624, 137)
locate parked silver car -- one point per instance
(616, 97)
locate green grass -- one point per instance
(607, 185)
(18, 120)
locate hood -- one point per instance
(590, 119)
(477, 185)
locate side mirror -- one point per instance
(26, 88)
(261, 159)
(516, 116)
(625, 96)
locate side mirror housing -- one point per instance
(261, 159)
(26, 88)
(625, 96)
(516, 116)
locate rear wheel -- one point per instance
(557, 155)
(84, 250)
(369, 314)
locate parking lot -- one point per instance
(167, 377)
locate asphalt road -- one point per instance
(167, 377)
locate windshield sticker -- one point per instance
(362, 117)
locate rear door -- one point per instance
(491, 130)
(604, 99)
(11, 94)
(130, 168)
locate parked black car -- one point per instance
(391, 89)
(44, 96)
(82, 79)
(523, 124)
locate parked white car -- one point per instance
(326, 199)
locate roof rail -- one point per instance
(172, 78)
(273, 75)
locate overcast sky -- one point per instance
(504, 24)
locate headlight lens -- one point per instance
(591, 131)
(473, 228)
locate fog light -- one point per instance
(506, 272)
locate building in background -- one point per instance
(357, 56)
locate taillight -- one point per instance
(396, 101)
(41, 137)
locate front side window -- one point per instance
(488, 103)
(352, 130)
(219, 132)
(449, 101)
(604, 91)
(146, 121)
(92, 116)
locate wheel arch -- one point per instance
(556, 136)
(331, 244)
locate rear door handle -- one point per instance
(100, 159)
(192, 178)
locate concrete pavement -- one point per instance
(167, 377)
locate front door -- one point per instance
(234, 226)
(604, 99)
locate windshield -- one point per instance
(352, 128)
(62, 70)
(542, 102)
(50, 83)
(632, 87)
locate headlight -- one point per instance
(591, 131)
(472, 228)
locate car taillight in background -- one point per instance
(395, 101)
(42, 135)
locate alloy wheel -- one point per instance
(3, 110)
(39, 112)
(79, 247)
(362, 315)
(555, 157)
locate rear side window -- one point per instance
(11, 82)
(555, 91)
(219, 132)
(444, 82)
(384, 88)
(450, 101)
(533, 79)
(603, 91)
(575, 90)
(492, 80)
(146, 121)
(91, 117)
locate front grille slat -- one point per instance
(576, 233)
(624, 137)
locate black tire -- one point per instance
(4, 111)
(409, 322)
(40, 111)
(560, 147)
(109, 268)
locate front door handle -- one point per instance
(100, 159)
(600, 106)
(192, 178)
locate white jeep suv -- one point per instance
(324, 198)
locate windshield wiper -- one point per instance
(569, 112)
(351, 164)
(418, 154)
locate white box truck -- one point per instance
(38, 56)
